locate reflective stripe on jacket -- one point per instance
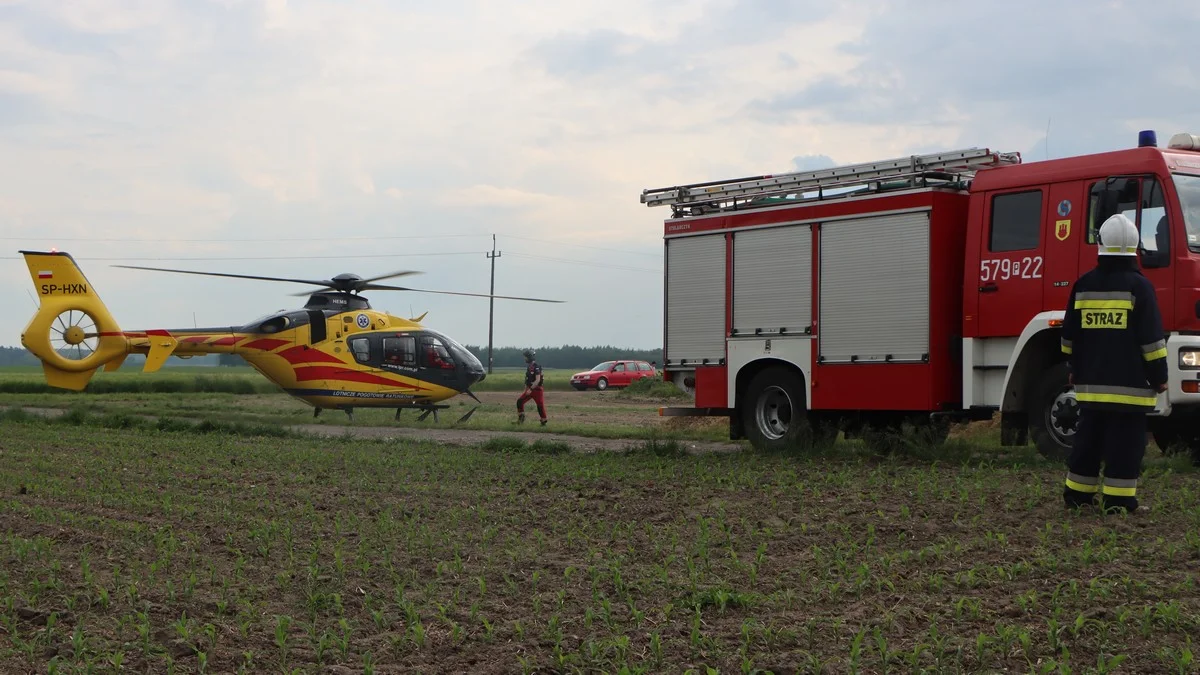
(1113, 338)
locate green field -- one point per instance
(203, 533)
(242, 395)
(236, 380)
(178, 550)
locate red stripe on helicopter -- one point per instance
(226, 341)
(309, 373)
(158, 333)
(301, 354)
(195, 339)
(265, 344)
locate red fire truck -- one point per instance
(925, 289)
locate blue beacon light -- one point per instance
(1147, 139)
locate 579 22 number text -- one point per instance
(1000, 269)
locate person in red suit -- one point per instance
(533, 388)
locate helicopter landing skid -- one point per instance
(434, 410)
(426, 409)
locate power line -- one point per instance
(159, 240)
(585, 262)
(221, 241)
(285, 257)
(595, 248)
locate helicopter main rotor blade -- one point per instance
(393, 275)
(381, 287)
(235, 276)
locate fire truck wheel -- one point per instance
(1053, 413)
(774, 410)
(1173, 438)
(1167, 439)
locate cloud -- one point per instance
(321, 128)
(492, 196)
(986, 73)
(812, 162)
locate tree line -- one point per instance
(16, 356)
(19, 356)
(566, 356)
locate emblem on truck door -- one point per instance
(1062, 229)
(1064, 208)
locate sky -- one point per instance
(310, 138)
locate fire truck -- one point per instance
(921, 290)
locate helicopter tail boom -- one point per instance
(72, 334)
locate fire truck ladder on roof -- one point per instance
(957, 164)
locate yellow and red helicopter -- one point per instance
(336, 352)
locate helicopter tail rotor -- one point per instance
(72, 334)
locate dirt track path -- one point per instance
(477, 436)
(465, 437)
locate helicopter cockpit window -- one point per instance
(435, 353)
(362, 349)
(400, 351)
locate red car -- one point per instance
(613, 374)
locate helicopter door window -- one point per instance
(436, 354)
(362, 349)
(400, 351)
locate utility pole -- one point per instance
(491, 300)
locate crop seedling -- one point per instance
(463, 538)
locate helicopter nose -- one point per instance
(476, 372)
(474, 369)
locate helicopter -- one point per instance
(335, 352)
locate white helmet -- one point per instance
(1119, 236)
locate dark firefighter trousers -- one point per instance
(1118, 441)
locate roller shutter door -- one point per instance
(695, 299)
(874, 301)
(772, 280)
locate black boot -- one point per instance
(1074, 499)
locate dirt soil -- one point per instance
(194, 553)
(477, 436)
(608, 412)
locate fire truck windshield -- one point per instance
(1188, 187)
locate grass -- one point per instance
(514, 380)
(228, 550)
(612, 414)
(231, 380)
(84, 417)
(653, 388)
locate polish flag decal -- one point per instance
(45, 274)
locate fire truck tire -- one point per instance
(1167, 439)
(1053, 413)
(774, 410)
(1173, 438)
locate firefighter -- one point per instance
(1117, 359)
(533, 388)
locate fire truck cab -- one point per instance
(923, 289)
